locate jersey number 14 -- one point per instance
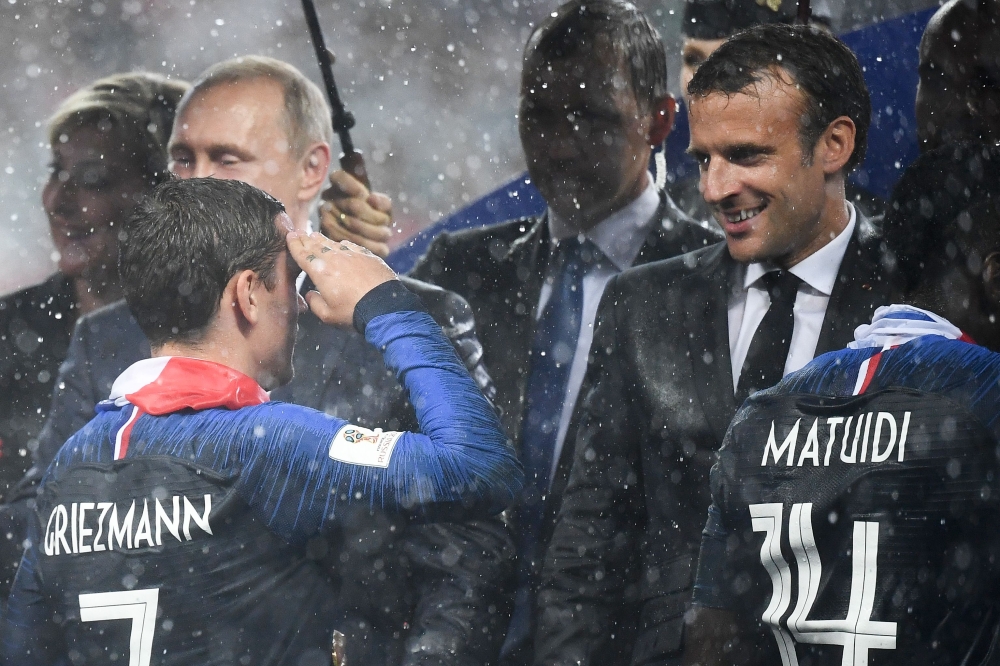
(857, 633)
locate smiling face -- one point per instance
(89, 194)
(584, 135)
(237, 132)
(774, 201)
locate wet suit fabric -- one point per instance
(178, 526)
(856, 504)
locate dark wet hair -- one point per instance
(943, 214)
(184, 242)
(822, 66)
(621, 26)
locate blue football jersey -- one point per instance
(856, 505)
(184, 524)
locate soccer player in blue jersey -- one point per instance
(856, 504)
(175, 528)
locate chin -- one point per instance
(272, 380)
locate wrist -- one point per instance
(390, 296)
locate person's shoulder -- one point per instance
(670, 271)
(55, 293)
(955, 361)
(272, 414)
(495, 239)
(694, 233)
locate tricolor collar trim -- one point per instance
(169, 384)
(895, 325)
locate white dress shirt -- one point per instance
(750, 301)
(620, 237)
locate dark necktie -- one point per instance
(556, 335)
(765, 362)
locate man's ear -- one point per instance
(836, 145)
(244, 296)
(315, 166)
(664, 110)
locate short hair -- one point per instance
(625, 29)
(184, 242)
(139, 107)
(307, 114)
(821, 66)
(943, 214)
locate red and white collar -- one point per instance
(171, 383)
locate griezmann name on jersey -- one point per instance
(185, 523)
(856, 507)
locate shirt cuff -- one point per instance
(388, 297)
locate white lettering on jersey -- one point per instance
(69, 530)
(876, 432)
(138, 606)
(857, 632)
(359, 446)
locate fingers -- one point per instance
(344, 185)
(349, 211)
(380, 202)
(319, 306)
(367, 222)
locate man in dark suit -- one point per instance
(410, 595)
(779, 115)
(593, 102)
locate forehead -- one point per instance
(768, 112)
(86, 142)
(593, 75)
(233, 112)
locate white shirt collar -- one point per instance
(818, 270)
(621, 235)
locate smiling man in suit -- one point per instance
(593, 103)
(779, 115)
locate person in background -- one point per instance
(681, 343)
(594, 102)
(909, 501)
(109, 148)
(435, 593)
(706, 25)
(958, 95)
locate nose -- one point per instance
(57, 194)
(718, 181)
(203, 168)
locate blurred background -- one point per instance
(433, 84)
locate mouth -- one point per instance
(739, 220)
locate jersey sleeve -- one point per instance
(305, 464)
(710, 585)
(27, 634)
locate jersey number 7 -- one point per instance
(136, 605)
(857, 633)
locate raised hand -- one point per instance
(349, 211)
(342, 272)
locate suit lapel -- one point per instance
(859, 289)
(527, 259)
(706, 325)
